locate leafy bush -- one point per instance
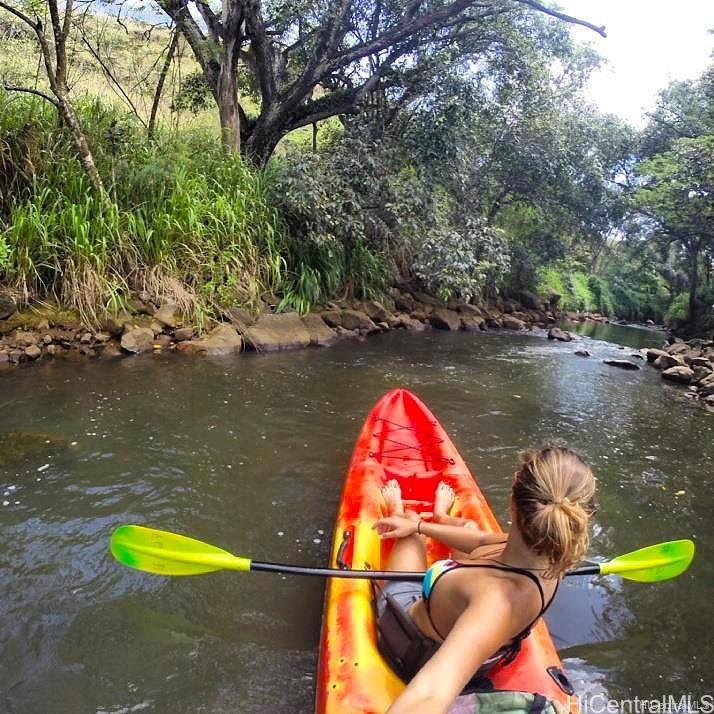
(578, 290)
(581, 298)
(550, 281)
(463, 263)
(678, 309)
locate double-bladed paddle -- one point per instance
(168, 553)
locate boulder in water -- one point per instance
(137, 340)
(555, 333)
(357, 320)
(376, 311)
(444, 319)
(621, 363)
(285, 331)
(680, 374)
(221, 340)
(511, 322)
(320, 334)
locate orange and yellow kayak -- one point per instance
(401, 439)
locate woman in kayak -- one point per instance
(472, 613)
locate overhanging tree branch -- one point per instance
(29, 90)
(562, 16)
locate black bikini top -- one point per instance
(441, 567)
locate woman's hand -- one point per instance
(395, 527)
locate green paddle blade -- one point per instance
(170, 554)
(654, 563)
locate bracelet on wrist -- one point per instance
(419, 527)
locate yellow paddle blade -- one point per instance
(654, 563)
(170, 554)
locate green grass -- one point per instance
(186, 225)
(579, 291)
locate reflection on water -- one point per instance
(250, 454)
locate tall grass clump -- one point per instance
(186, 224)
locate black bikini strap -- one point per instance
(520, 571)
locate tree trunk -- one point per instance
(694, 246)
(160, 83)
(227, 97)
(229, 115)
(71, 120)
(263, 139)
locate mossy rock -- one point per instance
(30, 317)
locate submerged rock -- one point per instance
(582, 353)
(18, 447)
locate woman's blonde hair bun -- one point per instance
(553, 491)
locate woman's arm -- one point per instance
(457, 537)
(480, 630)
(460, 537)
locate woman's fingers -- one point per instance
(394, 527)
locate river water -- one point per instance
(250, 454)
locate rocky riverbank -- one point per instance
(689, 363)
(41, 333)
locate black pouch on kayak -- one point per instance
(401, 642)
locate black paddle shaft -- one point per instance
(411, 576)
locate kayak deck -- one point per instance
(401, 439)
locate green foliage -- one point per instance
(579, 291)
(678, 309)
(675, 187)
(550, 282)
(188, 225)
(194, 94)
(581, 298)
(463, 263)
